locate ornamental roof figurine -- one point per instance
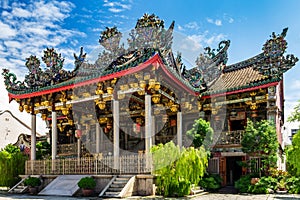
(147, 39)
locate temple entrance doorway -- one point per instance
(233, 169)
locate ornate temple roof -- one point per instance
(236, 80)
(264, 69)
(150, 43)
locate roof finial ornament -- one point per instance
(273, 62)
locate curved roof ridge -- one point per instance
(21, 122)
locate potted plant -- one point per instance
(87, 184)
(33, 183)
(281, 186)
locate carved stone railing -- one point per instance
(230, 138)
(127, 164)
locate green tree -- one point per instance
(293, 153)
(260, 139)
(201, 133)
(295, 116)
(43, 150)
(177, 171)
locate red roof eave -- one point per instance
(178, 82)
(153, 60)
(239, 91)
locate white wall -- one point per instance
(286, 132)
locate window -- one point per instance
(293, 132)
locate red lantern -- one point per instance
(78, 133)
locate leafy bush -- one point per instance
(179, 188)
(293, 156)
(43, 150)
(278, 174)
(12, 164)
(262, 186)
(293, 185)
(243, 184)
(87, 183)
(32, 181)
(211, 182)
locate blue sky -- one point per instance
(28, 27)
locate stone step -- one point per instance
(17, 190)
(120, 182)
(112, 193)
(115, 189)
(122, 179)
(117, 185)
(125, 176)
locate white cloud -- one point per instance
(228, 18)
(4, 4)
(216, 22)
(209, 20)
(117, 7)
(180, 28)
(36, 26)
(27, 29)
(215, 39)
(192, 45)
(295, 85)
(193, 42)
(19, 12)
(6, 31)
(115, 10)
(192, 25)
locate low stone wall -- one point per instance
(144, 185)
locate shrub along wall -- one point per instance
(12, 164)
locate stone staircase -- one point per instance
(20, 187)
(116, 186)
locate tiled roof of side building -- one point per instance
(242, 78)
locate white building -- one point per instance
(288, 130)
(12, 128)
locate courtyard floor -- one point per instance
(207, 196)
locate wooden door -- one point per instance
(244, 169)
(223, 170)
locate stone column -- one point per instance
(78, 147)
(98, 136)
(179, 129)
(116, 119)
(54, 135)
(148, 123)
(153, 130)
(33, 137)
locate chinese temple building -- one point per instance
(132, 98)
